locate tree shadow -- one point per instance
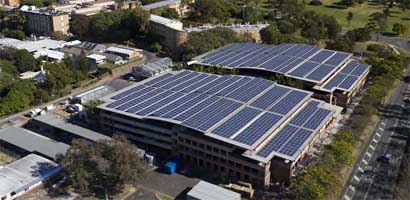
(335, 6)
(405, 18)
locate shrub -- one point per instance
(316, 3)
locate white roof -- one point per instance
(57, 55)
(122, 50)
(175, 24)
(25, 172)
(32, 46)
(96, 57)
(207, 191)
(29, 74)
(160, 4)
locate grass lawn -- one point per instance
(361, 14)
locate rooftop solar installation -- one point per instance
(240, 110)
(300, 61)
(347, 78)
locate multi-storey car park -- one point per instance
(333, 76)
(246, 128)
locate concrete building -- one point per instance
(207, 191)
(170, 30)
(24, 175)
(59, 129)
(333, 76)
(49, 55)
(211, 122)
(153, 68)
(18, 142)
(93, 94)
(45, 22)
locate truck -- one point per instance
(49, 107)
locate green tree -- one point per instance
(214, 11)
(286, 27)
(399, 28)
(104, 166)
(349, 17)
(19, 96)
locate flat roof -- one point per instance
(32, 45)
(207, 191)
(159, 4)
(33, 142)
(163, 20)
(300, 61)
(96, 57)
(61, 123)
(57, 55)
(148, 68)
(127, 51)
(240, 110)
(25, 172)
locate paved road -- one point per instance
(372, 179)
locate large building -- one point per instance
(241, 127)
(45, 22)
(333, 76)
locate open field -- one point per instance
(361, 14)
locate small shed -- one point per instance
(207, 191)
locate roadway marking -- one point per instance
(375, 141)
(360, 169)
(372, 147)
(346, 197)
(356, 178)
(381, 129)
(368, 154)
(378, 134)
(365, 162)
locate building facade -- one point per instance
(44, 22)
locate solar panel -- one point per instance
(128, 92)
(130, 98)
(200, 84)
(359, 70)
(258, 128)
(170, 79)
(348, 82)
(277, 141)
(232, 87)
(159, 79)
(322, 56)
(337, 58)
(270, 97)
(251, 56)
(143, 103)
(304, 69)
(180, 80)
(321, 72)
(191, 109)
(250, 90)
(215, 112)
(305, 113)
(335, 81)
(189, 82)
(295, 142)
(290, 101)
(189, 104)
(318, 118)
(175, 104)
(235, 123)
(151, 107)
(230, 82)
(349, 67)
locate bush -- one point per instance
(316, 3)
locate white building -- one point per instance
(25, 174)
(207, 191)
(38, 76)
(49, 55)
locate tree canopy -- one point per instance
(106, 165)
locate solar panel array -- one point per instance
(347, 77)
(301, 61)
(303, 125)
(240, 110)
